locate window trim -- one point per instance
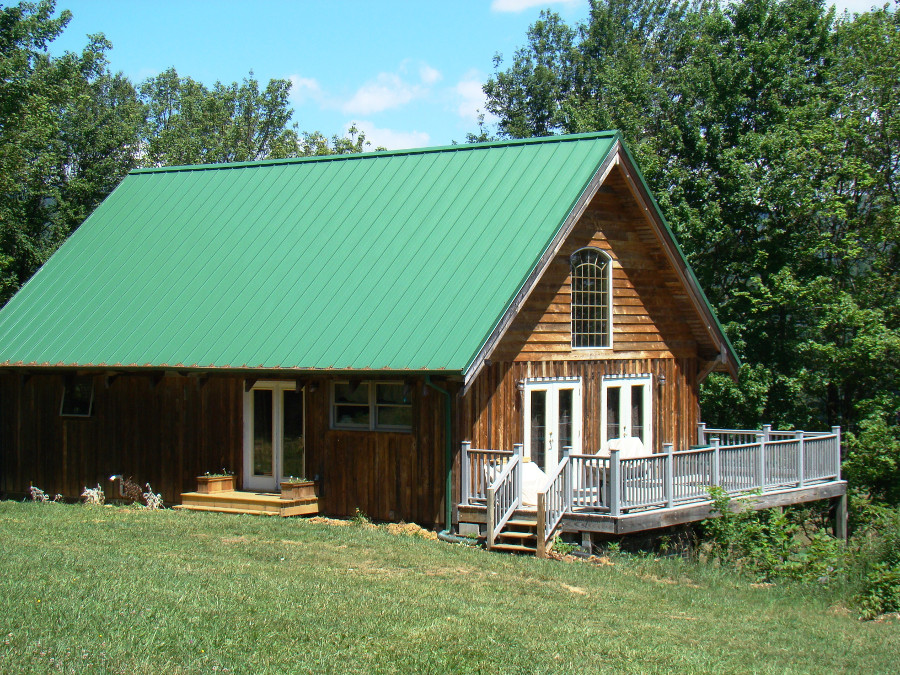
(609, 302)
(373, 407)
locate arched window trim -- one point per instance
(597, 316)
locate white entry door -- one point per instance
(273, 434)
(552, 419)
(626, 410)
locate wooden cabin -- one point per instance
(417, 332)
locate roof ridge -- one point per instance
(561, 138)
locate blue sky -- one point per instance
(408, 73)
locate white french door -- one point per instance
(552, 419)
(273, 434)
(626, 409)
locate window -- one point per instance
(78, 397)
(380, 406)
(591, 303)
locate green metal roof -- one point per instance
(390, 260)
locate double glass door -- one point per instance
(552, 419)
(273, 434)
(626, 409)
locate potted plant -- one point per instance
(299, 488)
(221, 481)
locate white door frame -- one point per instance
(625, 383)
(277, 387)
(553, 385)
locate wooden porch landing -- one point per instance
(255, 503)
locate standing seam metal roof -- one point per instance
(391, 260)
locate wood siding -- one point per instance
(168, 430)
(652, 316)
(491, 412)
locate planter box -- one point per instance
(209, 484)
(301, 489)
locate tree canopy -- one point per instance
(769, 133)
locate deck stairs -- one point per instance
(255, 503)
(519, 535)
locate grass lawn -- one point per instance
(116, 590)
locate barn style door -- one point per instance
(273, 434)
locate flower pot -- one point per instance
(301, 489)
(210, 484)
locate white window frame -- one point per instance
(609, 304)
(625, 382)
(372, 386)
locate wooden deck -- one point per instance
(255, 503)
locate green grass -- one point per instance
(100, 589)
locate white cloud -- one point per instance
(391, 90)
(303, 88)
(470, 97)
(522, 5)
(390, 138)
(388, 90)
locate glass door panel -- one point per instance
(613, 424)
(292, 442)
(539, 428)
(637, 411)
(262, 432)
(626, 409)
(565, 415)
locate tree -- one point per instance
(768, 131)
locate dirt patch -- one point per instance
(411, 530)
(235, 540)
(328, 521)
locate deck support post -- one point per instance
(701, 433)
(615, 507)
(587, 542)
(761, 460)
(840, 517)
(837, 452)
(715, 462)
(801, 459)
(668, 448)
(464, 472)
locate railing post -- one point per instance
(567, 479)
(464, 468)
(801, 459)
(701, 433)
(517, 479)
(761, 461)
(715, 462)
(541, 525)
(837, 451)
(668, 448)
(766, 432)
(615, 507)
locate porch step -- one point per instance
(519, 535)
(514, 548)
(260, 503)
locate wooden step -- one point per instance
(222, 509)
(264, 503)
(514, 548)
(521, 522)
(517, 535)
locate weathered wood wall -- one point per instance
(162, 431)
(166, 431)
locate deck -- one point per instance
(612, 495)
(256, 503)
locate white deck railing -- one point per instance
(554, 500)
(763, 460)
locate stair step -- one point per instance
(222, 509)
(514, 548)
(521, 522)
(517, 535)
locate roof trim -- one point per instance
(537, 271)
(462, 147)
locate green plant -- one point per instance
(563, 547)
(360, 518)
(224, 473)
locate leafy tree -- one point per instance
(768, 131)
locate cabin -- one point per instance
(498, 338)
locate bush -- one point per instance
(876, 562)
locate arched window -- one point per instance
(591, 299)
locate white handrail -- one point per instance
(553, 501)
(504, 496)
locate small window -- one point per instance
(591, 299)
(376, 406)
(78, 397)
